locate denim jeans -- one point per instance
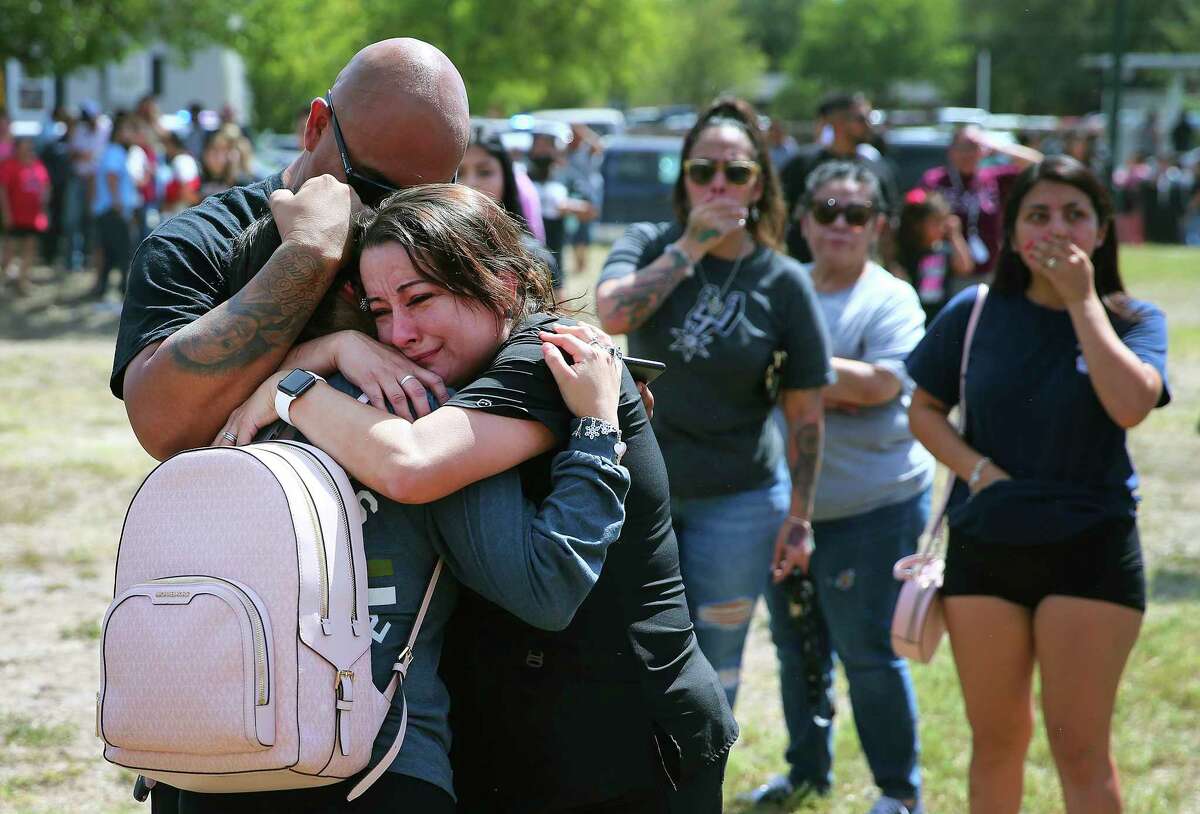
(725, 548)
(851, 567)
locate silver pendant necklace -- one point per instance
(716, 303)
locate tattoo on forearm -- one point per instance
(265, 315)
(702, 235)
(805, 449)
(636, 301)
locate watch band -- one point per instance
(283, 401)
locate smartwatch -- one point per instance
(293, 386)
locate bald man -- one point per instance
(194, 343)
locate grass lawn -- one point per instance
(69, 465)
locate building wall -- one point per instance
(213, 77)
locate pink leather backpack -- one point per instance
(236, 653)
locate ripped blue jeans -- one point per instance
(852, 568)
(725, 548)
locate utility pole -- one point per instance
(983, 79)
(1120, 18)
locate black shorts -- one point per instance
(1103, 563)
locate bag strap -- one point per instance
(399, 673)
(933, 540)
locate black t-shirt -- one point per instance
(181, 271)
(794, 176)
(712, 411)
(601, 707)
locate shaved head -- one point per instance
(403, 112)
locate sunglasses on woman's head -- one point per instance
(856, 214)
(370, 191)
(701, 171)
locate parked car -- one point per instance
(605, 121)
(639, 174)
(913, 150)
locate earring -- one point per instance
(753, 218)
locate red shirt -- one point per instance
(26, 187)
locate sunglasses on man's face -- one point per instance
(701, 171)
(856, 214)
(370, 191)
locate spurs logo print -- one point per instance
(709, 318)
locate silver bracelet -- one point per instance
(592, 427)
(977, 472)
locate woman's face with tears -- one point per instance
(447, 334)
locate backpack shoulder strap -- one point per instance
(399, 673)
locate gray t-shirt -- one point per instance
(870, 458)
(713, 406)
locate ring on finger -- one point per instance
(1051, 262)
(406, 378)
(230, 437)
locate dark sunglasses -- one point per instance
(370, 191)
(827, 211)
(701, 171)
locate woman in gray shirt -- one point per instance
(871, 500)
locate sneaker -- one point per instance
(890, 805)
(775, 790)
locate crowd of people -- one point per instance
(812, 317)
(92, 186)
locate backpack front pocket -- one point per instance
(187, 668)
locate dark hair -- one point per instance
(849, 172)
(919, 205)
(509, 199)
(464, 242)
(767, 216)
(1014, 277)
(837, 102)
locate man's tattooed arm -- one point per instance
(625, 303)
(265, 316)
(179, 392)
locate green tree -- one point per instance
(1037, 50)
(703, 49)
(60, 36)
(773, 26)
(867, 45)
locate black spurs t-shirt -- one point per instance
(181, 271)
(719, 337)
(623, 693)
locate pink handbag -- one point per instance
(918, 622)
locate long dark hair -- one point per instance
(767, 216)
(464, 242)
(509, 200)
(1014, 277)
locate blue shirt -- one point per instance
(113, 164)
(1032, 409)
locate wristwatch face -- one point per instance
(296, 382)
